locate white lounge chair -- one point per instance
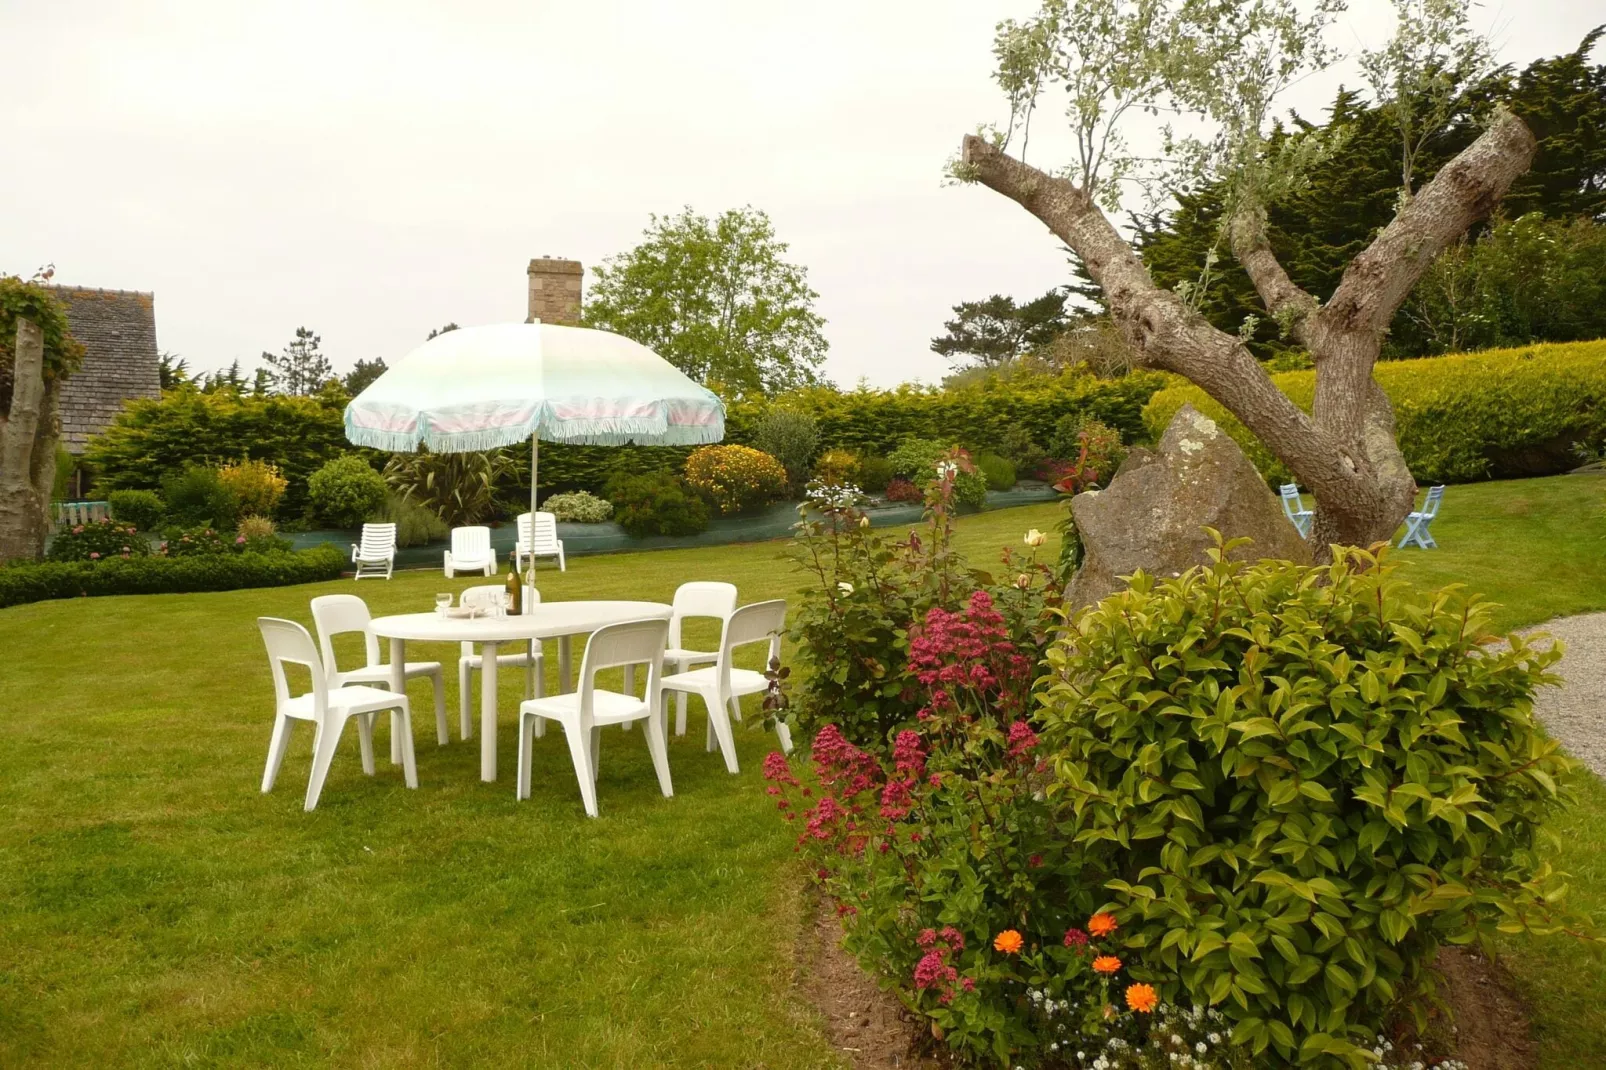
(1294, 509)
(582, 713)
(471, 552)
(376, 554)
(697, 599)
(327, 708)
(470, 660)
(340, 614)
(542, 541)
(722, 686)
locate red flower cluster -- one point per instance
(969, 656)
(1021, 739)
(933, 970)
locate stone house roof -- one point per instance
(118, 331)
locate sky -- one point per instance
(374, 170)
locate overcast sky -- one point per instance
(375, 170)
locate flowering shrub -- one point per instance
(656, 504)
(98, 541)
(1312, 779)
(901, 490)
(1097, 443)
(917, 460)
(837, 466)
(200, 542)
(736, 478)
(257, 486)
(578, 507)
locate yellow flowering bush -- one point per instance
(257, 485)
(735, 478)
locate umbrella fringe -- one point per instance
(586, 432)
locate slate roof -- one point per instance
(118, 332)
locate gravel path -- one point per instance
(1576, 714)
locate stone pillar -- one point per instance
(555, 291)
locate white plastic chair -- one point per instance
(723, 685)
(543, 541)
(376, 554)
(1294, 509)
(339, 614)
(327, 708)
(582, 713)
(471, 552)
(470, 660)
(697, 599)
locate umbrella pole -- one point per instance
(535, 471)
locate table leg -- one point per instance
(398, 684)
(563, 664)
(488, 712)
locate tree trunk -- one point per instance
(1344, 450)
(22, 505)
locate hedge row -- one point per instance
(1500, 414)
(38, 582)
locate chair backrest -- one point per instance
(701, 598)
(759, 622)
(1430, 505)
(337, 614)
(483, 595)
(378, 541)
(632, 642)
(546, 532)
(288, 641)
(1292, 503)
(471, 542)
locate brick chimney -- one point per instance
(555, 291)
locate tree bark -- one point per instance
(22, 507)
(1345, 449)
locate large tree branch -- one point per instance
(1464, 191)
(21, 513)
(1288, 304)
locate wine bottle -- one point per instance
(515, 591)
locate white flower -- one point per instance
(946, 469)
(1215, 1038)
(1200, 1047)
(1035, 538)
(864, 521)
(845, 587)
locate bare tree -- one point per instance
(1223, 65)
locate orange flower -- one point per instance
(1009, 942)
(1141, 998)
(1101, 924)
(1106, 964)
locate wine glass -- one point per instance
(442, 603)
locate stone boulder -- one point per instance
(1153, 514)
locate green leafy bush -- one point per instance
(656, 504)
(1304, 780)
(460, 488)
(736, 478)
(1017, 446)
(1493, 415)
(39, 581)
(999, 473)
(347, 492)
(791, 437)
(875, 473)
(97, 540)
(917, 459)
(579, 507)
(415, 525)
(1104, 450)
(201, 542)
(142, 508)
(196, 497)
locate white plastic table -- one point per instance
(546, 620)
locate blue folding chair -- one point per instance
(1294, 509)
(1416, 524)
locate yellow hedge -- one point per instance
(1498, 414)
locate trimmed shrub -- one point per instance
(875, 473)
(415, 525)
(259, 535)
(257, 486)
(347, 492)
(579, 507)
(917, 459)
(141, 508)
(656, 504)
(999, 473)
(1017, 446)
(37, 582)
(201, 542)
(901, 490)
(1303, 781)
(98, 540)
(791, 437)
(736, 478)
(1494, 415)
(837, 466)
(196, 497)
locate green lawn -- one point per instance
(157, 910)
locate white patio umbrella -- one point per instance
(478, 388)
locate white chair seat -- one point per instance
(743, 681)
(353, 699)
(608, 707)
(380, 674)
(677, 654)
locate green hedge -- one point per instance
(40, 581)
(1500, 414)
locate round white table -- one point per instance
(546, 620)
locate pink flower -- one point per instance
(909, 753)
(94, 556)
(1021, 739)
(239, 540)
(1035, 861)
(969, 984)
(932, 971)
(777, 768)
(1075, 938)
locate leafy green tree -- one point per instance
(173, 370)
(997, 331)
(300, 369)
(717, 299)
(362, 374)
